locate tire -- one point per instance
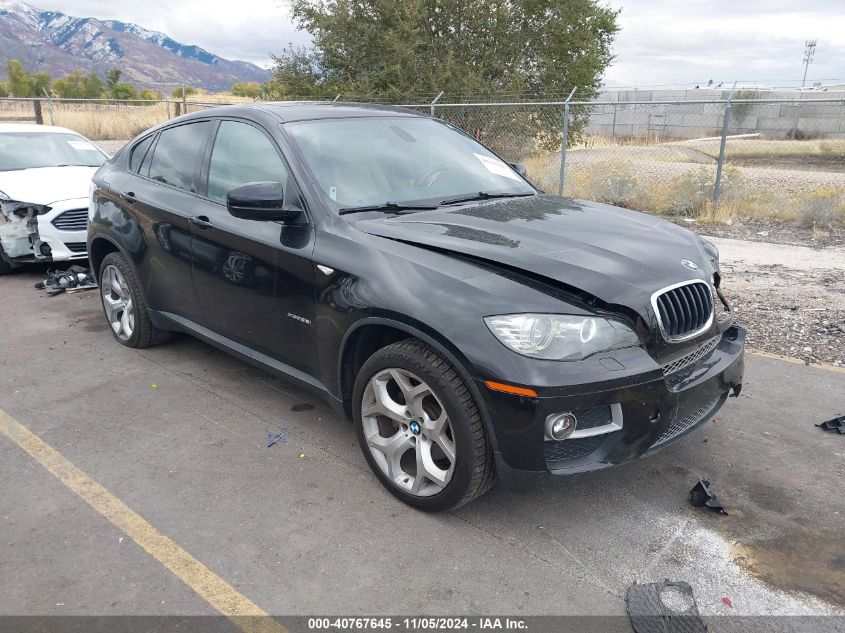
(5, 267)
(397, 446)
(124, 297)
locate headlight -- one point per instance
(560, 336)
(710, 251)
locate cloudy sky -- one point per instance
(661, 42)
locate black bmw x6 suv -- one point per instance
(467, 324)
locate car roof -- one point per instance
(29, 128)
(287, 111)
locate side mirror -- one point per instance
(519, 168)
(262, 202)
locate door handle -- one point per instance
(202, 221)
(129, 196)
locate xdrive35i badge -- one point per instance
(688, 263)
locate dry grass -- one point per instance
(689, 194)
(111, 121)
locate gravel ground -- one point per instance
(767, 231)
(790, 298)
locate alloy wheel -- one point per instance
(408, 432)
(117, 302)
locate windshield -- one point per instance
(28, 150)
(404, 160)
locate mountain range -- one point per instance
(57, 44)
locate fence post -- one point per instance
(726, 120)
(613, 129)
(36, 110)
(49, 106)
(434, 102)
(167, 105)
(564, 141)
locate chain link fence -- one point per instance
(715, 159)
(783, 159)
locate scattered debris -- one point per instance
(663, 607)
(153, 387)
(702, 495)
(302, 456)
(302, 406)
(276, 438)
(836, 424)
(73, 279)
(727, 602)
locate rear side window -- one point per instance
(138, 153)
(178, 153)
(242, 154)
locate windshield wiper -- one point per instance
(387, 207)
(483, 195)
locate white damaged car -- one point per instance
(45, 175)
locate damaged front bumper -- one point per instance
(31, 232)
(619, 420)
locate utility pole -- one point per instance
(809, 52)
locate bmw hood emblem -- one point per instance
(688, 263)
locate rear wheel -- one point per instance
(5, 267)
(124, 305)
(420, 429)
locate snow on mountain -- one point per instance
(58, 43)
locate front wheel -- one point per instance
(419, 428)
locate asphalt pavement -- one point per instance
(178, 435)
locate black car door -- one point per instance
(161, 195)
(253, 279)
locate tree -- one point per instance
(76, 86)
(410, 48)
(182, 92)
(118, 89)
(23, 84)
(250, 89)
(407, 51)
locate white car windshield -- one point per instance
(30, 150)
(359, 162)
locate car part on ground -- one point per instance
(836, 425)
(73, 279)
(664, 607)
(702, 495)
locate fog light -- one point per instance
(45, 249)
(559, 426)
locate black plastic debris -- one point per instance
(836, 425)
(664, 607)
(702, 495)
(73, 279)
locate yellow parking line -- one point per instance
(245, 614)
(795, 361)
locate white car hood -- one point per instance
(46, 185)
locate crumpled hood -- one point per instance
(46, 185)
(616, 255)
